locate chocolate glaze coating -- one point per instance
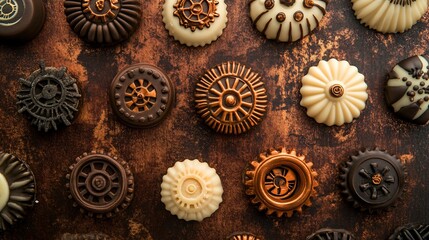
(411, 232)
(21, 20)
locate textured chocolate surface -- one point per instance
(331, 234)
(411, 232)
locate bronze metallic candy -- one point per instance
(280, 182)
(331, 234)
(49, 97)
(411, 232)
(372, 180)
(21, 20)
(243, 236)
(231, 98)
(141, 95)
(103, 21)
(17, 189)
(100, 184)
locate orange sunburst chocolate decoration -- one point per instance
(280, 182)
(231, 98)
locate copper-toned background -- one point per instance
(183, 134)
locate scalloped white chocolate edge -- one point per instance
(4, 192)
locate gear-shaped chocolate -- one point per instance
(100, 184)
(281, 182)
(196, 13)
(18, 188)
(141, 95)
(411, 232)
(49, 97)
(243, 236)
(331, 234)
(372, 180)
(231, 98)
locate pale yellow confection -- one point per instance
(4, 192)
(334, 92)
(195, 22)
(287, 20)
(389, 16)
(191, 190)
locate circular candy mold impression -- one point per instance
(331, 234)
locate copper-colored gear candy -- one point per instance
(100, 184)
(280, 182)
(231, 98)
(243, 236)
(141, 95)
(103, 21)
(196, 14)
(18, 189)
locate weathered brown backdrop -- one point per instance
(183, 134)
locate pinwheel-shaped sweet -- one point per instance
(389, 16)
(334, 92)
(191, 190)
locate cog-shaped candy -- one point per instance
(331, 234)
(411, 232)
(191, 190)
(243, 236)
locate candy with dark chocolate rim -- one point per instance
(243, 236)
(411, 232)
(331, 234)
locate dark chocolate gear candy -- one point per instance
(103, 21)
(407, 89)
(411, 232)
(100, 184)
(242, 236)
(49, 97)
(331, 234)
(373, 180)
(17, 181)
(21, 20)
(141, 95)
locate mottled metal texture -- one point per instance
(184, 135)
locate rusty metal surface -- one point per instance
(184, 135)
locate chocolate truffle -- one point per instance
(17, 190)
(287, 20)
(21, 20)
(390, 16)
(49, 97)
(331, 234)
(192, 190)
(195, 23)
(105, 22)
(406, 90)
(243, 236)
(280, 182)
(141, 95)
(231, 98)
(411, 232)
(100, 185)
(334, 92)
(372, 180)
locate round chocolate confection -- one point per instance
(18, 189)
(331, 234)
(372, 180)
(100, 184)
(21, 20)
(407, 89)
(243, 236)
(281, 182)
(103, 21)
(141, 95)
(49, 97)
(411, 232)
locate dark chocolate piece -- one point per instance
(21, 20)
(103, 21)
(21, 189)
(331, 234)
(411, 232)
(100, 184)
(372, 180)
(141, 95)
(50, 97)
(243, 236)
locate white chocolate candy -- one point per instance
(334, 92)
(195, 22)
(287, 20)
(389, 16)
(4, 192)
(191, 190)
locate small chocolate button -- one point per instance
(17, 189)
(372, 180)
(411, 232)
(243, 236)
(280, 182)
(231, 98)
(21, 20)
(100, 184)
(141, 95)
(103, 21)
(331, 234)
(49, 97)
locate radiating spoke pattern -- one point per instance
(280, 182)
(196, 13)
(140, 96)
(376, 180)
